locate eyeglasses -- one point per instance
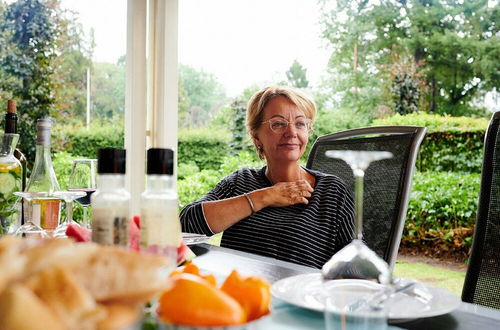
(279, 125)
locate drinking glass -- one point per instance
(356, 260)
(68, 197)
(338, 316)
(83, 178)
(30, 228)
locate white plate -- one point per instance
(309, 290)
(190, 238)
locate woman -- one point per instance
(282, 210)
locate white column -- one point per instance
(164, 63)
(135, 100)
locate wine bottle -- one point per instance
(110, 202)
(160, 231)
(11, 128)
(44, 211)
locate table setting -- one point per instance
(355, 289)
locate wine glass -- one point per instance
(83, 178)
(30, 228)
(68, 197)
(356, 260)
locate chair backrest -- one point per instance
(387, 182)
(482, 281)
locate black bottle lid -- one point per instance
(160, 161)
(111, 161)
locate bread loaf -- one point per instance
(115, 274)
(23, 310)
(58, 284)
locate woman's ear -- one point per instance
(255, 138)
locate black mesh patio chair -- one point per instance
(387, 182)
(482, 281)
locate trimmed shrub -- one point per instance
(436, 123)
(203, 147)
(62, 162)
(194, 185)
(442, 213)
(460, 152)
(451, 144)
(85, 143)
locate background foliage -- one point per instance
(457, 43)
(442, 213)
(387, 57)
(452, 144)
(29, 43)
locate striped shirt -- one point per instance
(304, 234)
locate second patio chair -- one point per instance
(482, 281)
(387, 182)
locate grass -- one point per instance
(452, 280)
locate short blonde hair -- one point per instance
(257, 103)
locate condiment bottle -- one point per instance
(110, 202)
(160, 231)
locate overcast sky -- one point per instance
(241, 42)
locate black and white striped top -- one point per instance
(303, 234)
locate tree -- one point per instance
(71, 65)
(108, 90)
(206, 96)
(408, 86)
(28, 58)
(458, 42)
(352, 85)
(296, 75)
(43, 60)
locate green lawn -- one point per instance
(433, 275)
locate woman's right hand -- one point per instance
(222, 214)
(288, 193)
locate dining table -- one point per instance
(284, 316)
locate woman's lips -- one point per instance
(290, 146)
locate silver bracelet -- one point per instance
(250, 203)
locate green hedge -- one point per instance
(452, 144)
(203, 147)
(436, 123)
(442, 212)
(452, 151)
(85, 143)
(193, 184)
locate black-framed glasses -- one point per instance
(279, 125)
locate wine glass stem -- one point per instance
(358, 192)
(85, 217)
(69, 211)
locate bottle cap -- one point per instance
(43, 126)
(111, 161)
(160, 161)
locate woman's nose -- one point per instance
(291, 130)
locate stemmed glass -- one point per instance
(29, 228)
(83, 178)
(356, 260)
(68, 197)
